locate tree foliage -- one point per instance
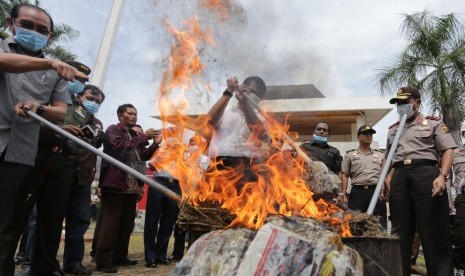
(433, 61)
(62, 33)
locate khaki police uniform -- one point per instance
(458, 251)
(415, 166)
(364, 170)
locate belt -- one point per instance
(415, 162)
(170, 180)
(364, 187)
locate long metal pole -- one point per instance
(170, 194)
(387, 166)
(284, 134)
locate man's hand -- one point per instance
(439, 185)
(241, 90)
(342, 200)
(232, 84)
(151, 133)
(21, 106)
(66, 71)
(157, 138)
(76, 131)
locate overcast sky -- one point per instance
(335, 45)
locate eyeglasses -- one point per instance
(321, 129)
(26, 24)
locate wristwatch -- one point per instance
(227, 93)
(40, 110)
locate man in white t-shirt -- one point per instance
(240, 133)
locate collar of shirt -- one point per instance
(18, 49)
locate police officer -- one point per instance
(363, 167)
(422, 162)
(318, 148)
(458, 186)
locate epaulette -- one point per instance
(433, 118)
(393, 125)
(350, 150)
(378, 150)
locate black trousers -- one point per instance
(160, 216)
(51, 192)
(14, 189)
(411, 205)
(459, 232)
(359, 199)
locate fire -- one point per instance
(217, 4)
(280, 188)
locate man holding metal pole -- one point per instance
(29, 81)
(422, 162)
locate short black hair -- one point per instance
(323, 122)
(15, 11)
(122, 108)
(94, 90)
(259, 81)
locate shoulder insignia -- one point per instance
(444, 128)
(433, 118)
(350, 150)
(378, 150)
(393, 125)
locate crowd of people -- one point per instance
(46, 178)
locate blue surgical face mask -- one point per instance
(75, 87)
(91, 107)
(29, 40)
(320, 139)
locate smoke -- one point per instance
(253, 40)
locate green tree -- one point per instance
(434, 62)
(62, 33)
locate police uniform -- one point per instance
(327, 154)
(458, 250)
(415, 166)
(364, 170)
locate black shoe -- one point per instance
(54, 273)
(107, 269)
(77, 269)
(174, 258)
(19, 259)
(25, 271)
(127, 262)
(162, 262)
(150, 264)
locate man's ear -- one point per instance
(50, 38)
(9, 21)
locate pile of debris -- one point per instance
(283, 246)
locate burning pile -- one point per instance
(302, 228)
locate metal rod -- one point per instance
(170, 194)
(387, 166)
(288, 139)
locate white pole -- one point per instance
(170, 194)
(106, 46)
(387, 166)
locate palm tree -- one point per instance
(61, 32)
(434, 62)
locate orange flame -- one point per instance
(217, 4)
(280, 187)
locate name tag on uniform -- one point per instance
(423, 128)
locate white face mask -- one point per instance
(405, 109)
